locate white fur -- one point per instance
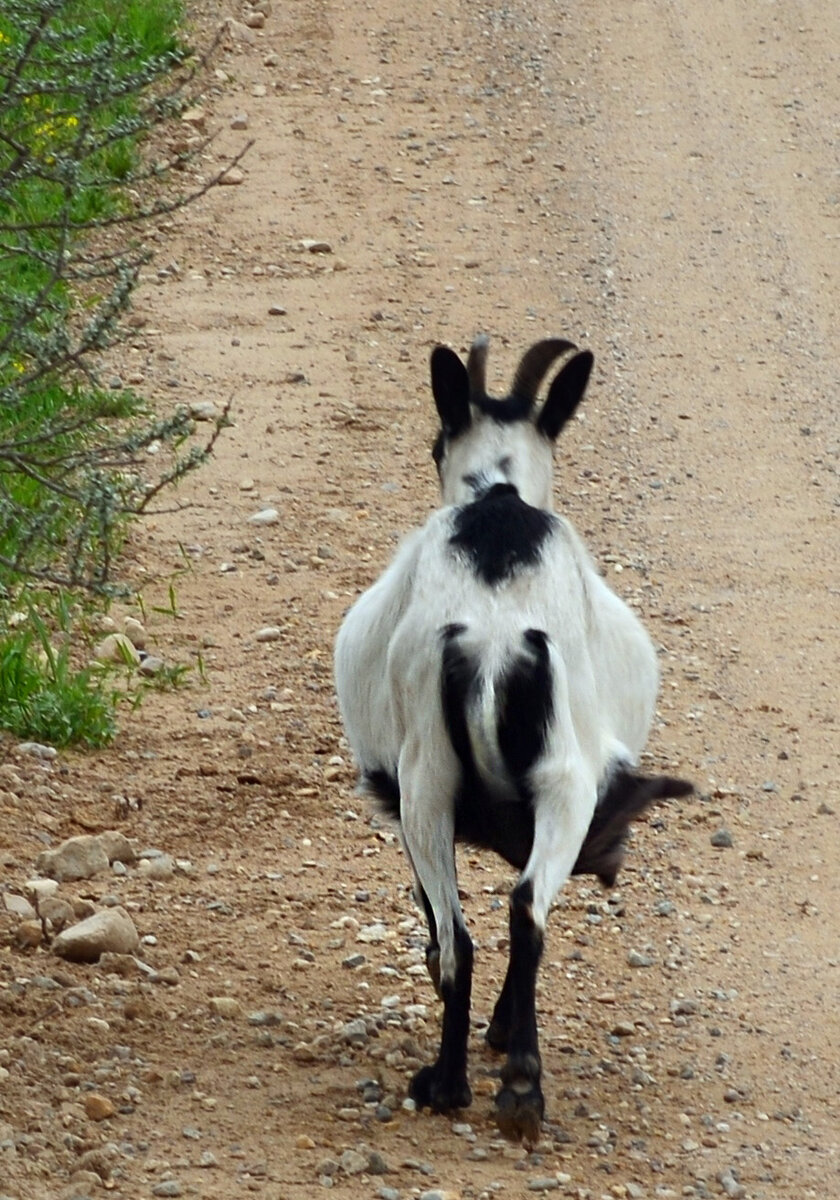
(388, 673)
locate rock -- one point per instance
(196, 117)
(635, 959)
(240, 32)
(167, 1187)
(270, 633)
(232, 177)
(204, 410)
(37, 750)
(117, 648)
(315, 246)
(79, 857)
(721, 839)
(224, 1006)
(254, 20)
(276, 310)
(117, 846)
(98, 1108)
(151, 665)
(58, 912)
(266, 516)
(355, 1032)
(29, 935)
(111, 930)
(135, 631)
(39, 889)
(18, 906)
(240, 121)
(162, 866)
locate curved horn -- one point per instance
(477, 366)
(535, 362)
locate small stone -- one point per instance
(79, 857)
(58, 912)
(224, 1006)
(19, 906)
(352, 1162)
(270, 633)
(117, 648)
(684, 1007)
(39, 889)
(160, 867)
(111, 930)
(37, 750)
(635, 959)
(240, 121)
(167, 1187)
(29, 935)
(315, 246)
(721, 839)
(276, 310)
(266, 516)
(543, 1184)
(204, 410)
(196, 117)
(355, 1032)
(117, 846)
(232, 177)
(623, 1029)
(254, 20)
(135, 632)
(98, 1108)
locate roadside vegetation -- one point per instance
(83, 84)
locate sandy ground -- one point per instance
(657, 181)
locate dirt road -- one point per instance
(657, 181)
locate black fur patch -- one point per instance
(527, 706)
(504, 824)
(500, 533)
(506, 412)
(627, 796)
(384, 787)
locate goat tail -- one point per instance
(625, 797)
(497, 721)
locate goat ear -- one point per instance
(451, 390)
(565, 394)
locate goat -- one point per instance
(495, 691)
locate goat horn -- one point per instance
(535, 362)
(477, 366)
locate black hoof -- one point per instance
(428, 1089)
(519, 1114)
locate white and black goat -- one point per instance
(495, 691)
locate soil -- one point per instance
(659, 183)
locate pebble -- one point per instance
(240, 121)
(315, 246)
(224, 1006)
(543, 1184)
(117, 648)
(98, 1108)
(721, 839)
(204, 410)
(636, 959)
(19, 906)
(266, 516)
(232, 177)
(37, 750)
(167, 1187)
(111, 929)
(269, 633)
